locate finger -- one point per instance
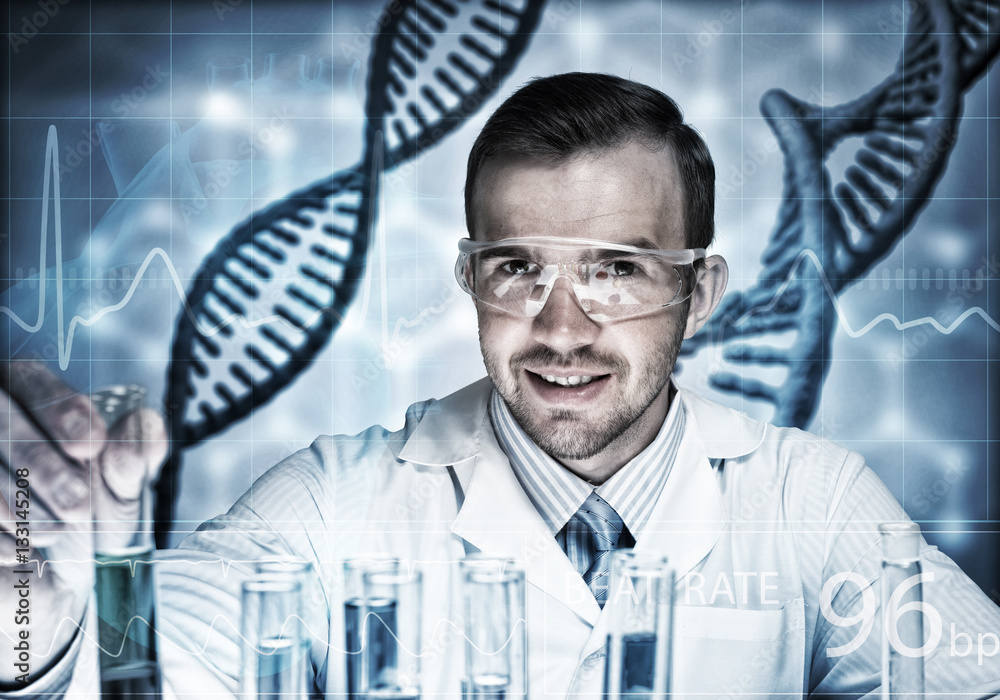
(157, 443)
(21, 508)
(134, 453)
(59, 413)
(58, 488)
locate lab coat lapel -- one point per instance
(689, 516)
(496, 515)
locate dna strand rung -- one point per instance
(441, 61)
(976, 23)
(830, 231)
(265, 268)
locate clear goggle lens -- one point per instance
(611, 281)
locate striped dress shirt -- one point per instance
(558, 493)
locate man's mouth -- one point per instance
(576, 384)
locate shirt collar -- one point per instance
(557, 493)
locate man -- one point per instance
(589, 206)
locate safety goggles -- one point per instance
(611, 281)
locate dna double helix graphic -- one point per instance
(909, 125)
(271, 294)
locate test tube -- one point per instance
(391, 651)
(495, 641)
(301, 571)
(903, 634)
(274, 665)
(356, 631)
(638, 648)
(123, 552)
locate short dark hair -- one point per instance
(563, 115)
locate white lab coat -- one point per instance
(755, 520)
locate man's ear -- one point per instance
(707, 293)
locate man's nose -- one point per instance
(562, 323)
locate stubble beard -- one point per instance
(569, 434)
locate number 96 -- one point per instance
(869, 608)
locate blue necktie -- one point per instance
(594, 531)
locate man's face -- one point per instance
(630, 196)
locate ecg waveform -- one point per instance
(50, 190)
(65, 334)
(845, 324)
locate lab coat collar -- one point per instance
(497, 516)
(725, 433)
(450, 430)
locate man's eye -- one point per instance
(622, 268)
(517, 267)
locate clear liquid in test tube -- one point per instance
(493, 595)
(640, 603)
(391, 651)
(358, 625)
(123, 547)
(275, 659)
(301, 571)
(903, 632)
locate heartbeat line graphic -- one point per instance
(731, 322)
(50, 189)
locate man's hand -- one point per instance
(65, 473)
